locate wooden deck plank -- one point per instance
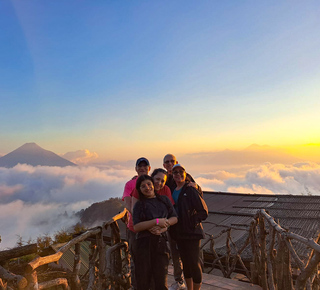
(210, 282)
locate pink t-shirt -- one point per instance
(163, 191)
(128, 190)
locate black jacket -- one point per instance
(172, 184)
(191, 210)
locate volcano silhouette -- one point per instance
(32, 154)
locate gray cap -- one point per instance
(178, 165)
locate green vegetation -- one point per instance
(45, 241)
(92, 216)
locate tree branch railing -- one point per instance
(102, 278)
(272, 251)
(273, 256)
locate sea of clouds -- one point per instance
(41, 200)
(298, 178)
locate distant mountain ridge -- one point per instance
(254, 155)
(33, 154)
(100, 212)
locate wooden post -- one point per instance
(19, 282)
(270, 260)
(263, 268)
(255, 250)
(114, 277)
(127, 274)
(279, 263)
(215, 255)
(303, 277)
(284, 273)
(288, 282)
(254, 273)
(117, 265)
(228, 252)
(92, 266)
(102, 260)
(76, 284)
(32, 279)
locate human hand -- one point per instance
(155, 230)
(193, 184)
(163, 222)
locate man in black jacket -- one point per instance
(168, 162)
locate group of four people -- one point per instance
(167, 205)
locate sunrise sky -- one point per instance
(102, 80)
(142, 78)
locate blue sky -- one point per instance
(131, 78)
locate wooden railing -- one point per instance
(112, 263)
(273, 255)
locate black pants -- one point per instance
(176, 260)
(189, 252)
(151, 261)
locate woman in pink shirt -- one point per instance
(159, 177)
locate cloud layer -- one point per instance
(299, 178)
(81, 157)
(42, 200)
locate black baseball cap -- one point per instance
(141, 159)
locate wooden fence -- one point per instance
(273, 255)
(108, 268)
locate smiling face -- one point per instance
(168, 162)
(143, 168)
(159, 180)
(147, 189)
(179, 175)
